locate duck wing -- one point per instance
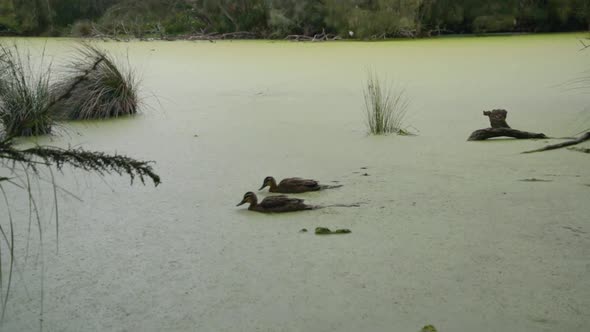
(299, 182)
(273, 202)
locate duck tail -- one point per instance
(327, 186)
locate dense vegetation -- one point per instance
(279, 18)
(95, 88)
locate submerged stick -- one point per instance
(583, 150)
(578, 140)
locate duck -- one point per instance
(280, 203)
(293, 185)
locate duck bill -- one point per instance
(263, 186)
(242, 202)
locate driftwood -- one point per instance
(583, 150)
(407, 33)
(497, 118)
(578, 140)
(299, 38)
(158, 33)
(213, 36)
(483, 134)
(316, 38)
(122, 33)
(500, 128)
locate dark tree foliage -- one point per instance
(68, 11)
(305, 17)
(278, 18)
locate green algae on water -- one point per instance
(327, 231)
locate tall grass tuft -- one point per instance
(385, 107)
(97, 87)
(25, 96)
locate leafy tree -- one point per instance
(296, 17)
(277, 18)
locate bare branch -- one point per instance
(578, 140)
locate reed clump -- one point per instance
(97, 87)
(25, 94)
(385, 107)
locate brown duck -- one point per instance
(279, 203)
(293, 185)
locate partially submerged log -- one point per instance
(483, 134)
(497, 118)
(578, 140)
(500, 128)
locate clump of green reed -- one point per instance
(25, 96)
(97, 87)
(385, 107)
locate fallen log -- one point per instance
(500, 128)
(483, 134)
(318, 37)
(578, 140)
(299, 38)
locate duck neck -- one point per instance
(273, 185)
(253, 203)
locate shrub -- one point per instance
(181, 22)
(279, 23)
(82, 28)
(499, 23)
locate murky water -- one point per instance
(447, 234)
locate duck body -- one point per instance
(272, 204)
(295, 186)
(291, 185)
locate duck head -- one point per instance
(269, 181)
(249, 197)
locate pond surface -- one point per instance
(447, 233)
